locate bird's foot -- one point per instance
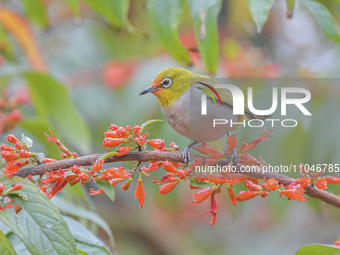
(234, 157)
(186, 155)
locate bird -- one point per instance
(179, 92)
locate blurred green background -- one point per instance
(82, 64)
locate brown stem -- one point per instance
(256, 172)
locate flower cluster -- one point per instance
(122, 140)
(10, 115)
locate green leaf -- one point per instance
(85, 239)
(325, 19)
(148, 122)
(36, 12)
(18, 246)
(5, 248)
(69, 208)
(52, 102)
(107, 187)
(199, 184)
(259, 11)
(113, 11)
(165, 16)
(26, 140)
(107, 155)
(204, 14)
(81, 252)
(39, 225)
(319, 249)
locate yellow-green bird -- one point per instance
(180, 93)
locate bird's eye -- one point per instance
(166, 83)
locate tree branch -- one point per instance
(255, 172)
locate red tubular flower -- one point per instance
(13, 167)
(210, 151)
(321, 183)
(232, 195)
(113, 182)
(116, 172)
(294, 193)
(17, 186)
(122, 132)
(98, 165)
(111, 134)
(95, 192)
(122, 150)
(202, 195)
(140, 140)
(136, 129)
(2, 188)
(57, 187)
(264, 193)
(25, 154)
(114, 127)
(9, 155)
(166, 188)
(232, 142)
(272, 184)
(252, 186)
(5, 147)
(8, 206)
(140, 194)
(213, 210)
(333, 180)
(168, 166)
(156, 143)
(12, 139)
(153, 166)
(126, 185)
(112, 142)
(246, 195)
(248, 147)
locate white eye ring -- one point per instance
(166, 83)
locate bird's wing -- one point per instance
(221, 95)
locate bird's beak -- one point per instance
(148, 90)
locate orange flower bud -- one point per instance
(116, 172)
(13, 166)
(113, 182)
(95, 192)
(5, 147)
(140, 140)
(112, 142)
(272, 184)
(25, 154)
(232, 195)
(12, 139)
(232, 142)
(246, 195)
(140, 194)
(202, 195)
(98, 165)
(122, 150)
(294, 193)
(136, 129)
(166, 188)
(321, 183)
(122, 132)
(111, 134)
(168, 166)
(333, 180)
(210, 151)
(156, 143)
(114, 127)
(126, 185)
(153, 166)
(252, 186)
(17, 186)
(336, 243)
(9, 156)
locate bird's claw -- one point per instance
(234, 157)
(186, 155)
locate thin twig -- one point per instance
(256, 172)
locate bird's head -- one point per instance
(169, 85)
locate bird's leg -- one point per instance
(186, 153)
(234, 158)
